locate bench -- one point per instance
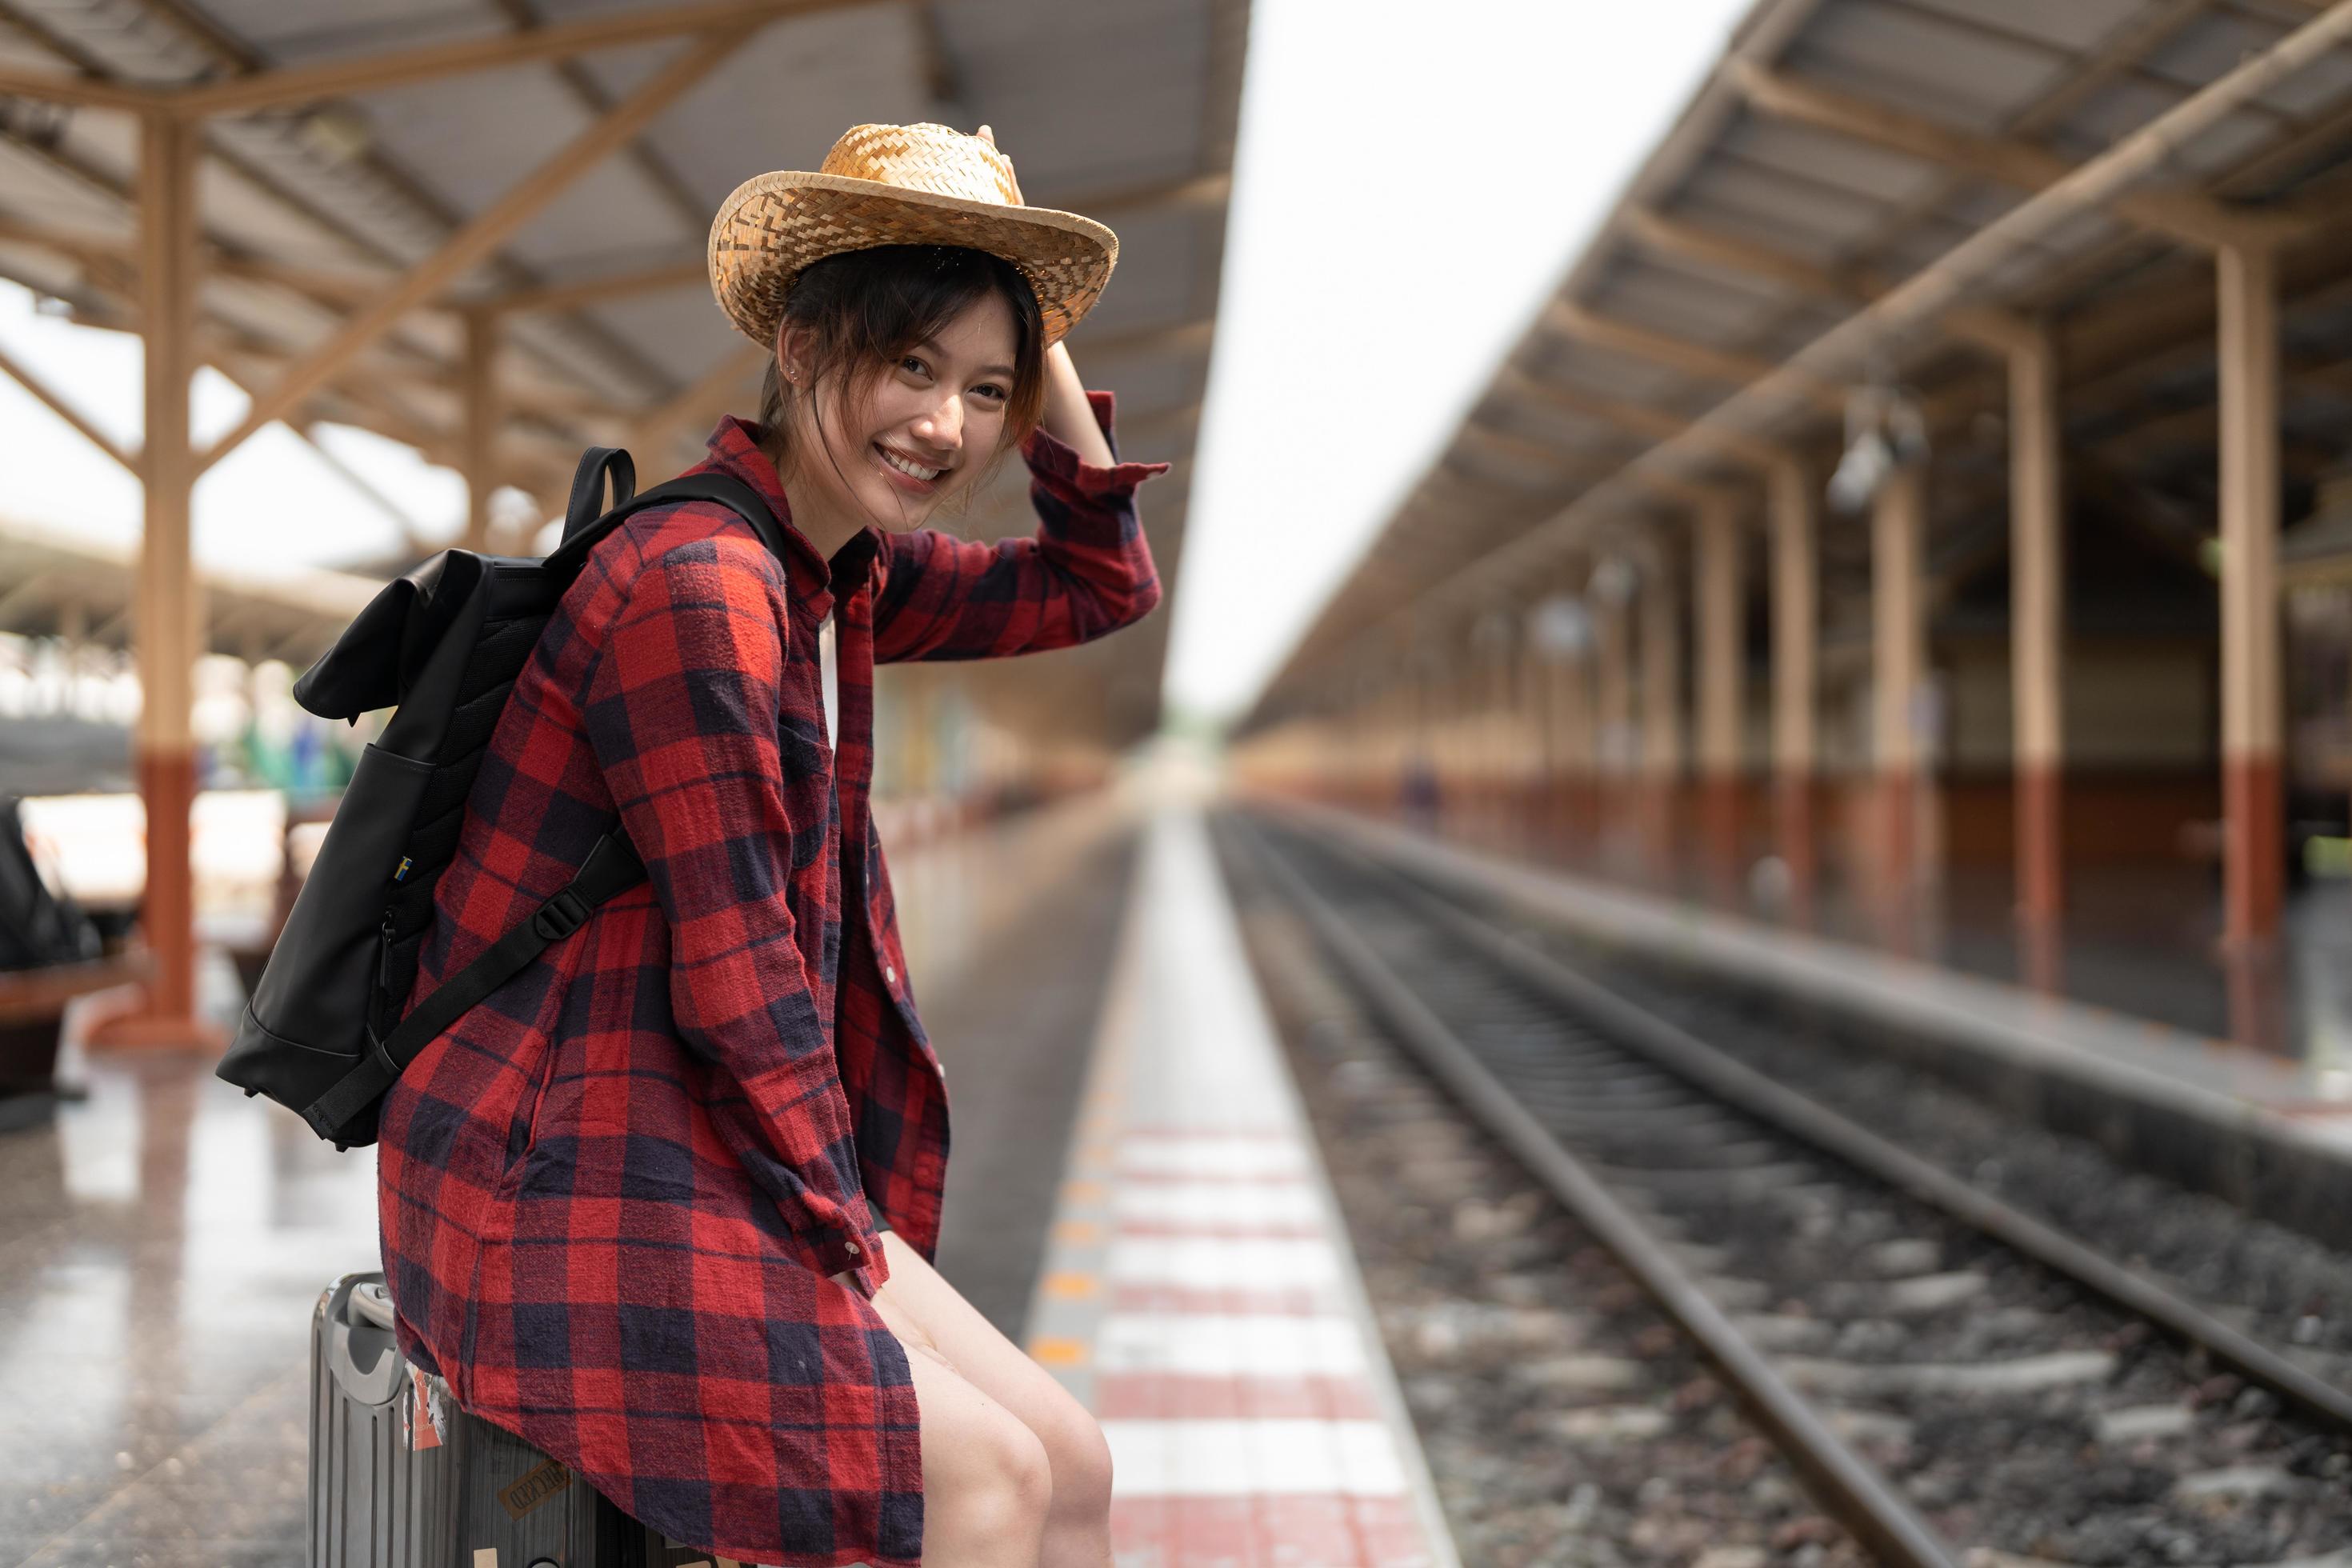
(33, 1004)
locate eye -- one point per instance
(993, 392)
(914, 365)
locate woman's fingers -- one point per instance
(989, 135)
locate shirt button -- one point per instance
(850, 1247)
(890, 973)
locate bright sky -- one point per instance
(273, 501)
(1409, 186)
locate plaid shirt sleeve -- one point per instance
(1085, 572)
(684, 710)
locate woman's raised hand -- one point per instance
(988, 136)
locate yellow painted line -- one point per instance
(1077, 1232)
(1082, 1191)
(1070, 1286)
(1048, 1349)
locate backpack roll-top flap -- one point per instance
(322, 972)
(381, 652)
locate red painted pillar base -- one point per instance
(1660, 808)
(1719, 808)
(2040, 855)
(167, 1015)
(1896, 892)
(2253, 849)
(2257, 989)
(1800, 845)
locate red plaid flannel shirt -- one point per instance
(611, 1194)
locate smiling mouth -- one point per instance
(908, 466)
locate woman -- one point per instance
(665, 1204)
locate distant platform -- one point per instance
(1200, 1294)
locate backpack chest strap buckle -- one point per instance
(562, 915)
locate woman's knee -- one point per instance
(1078, 1457)
(989, 1475)
(1013, 1477)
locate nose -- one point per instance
(942, 427)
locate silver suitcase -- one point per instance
(401, 1477)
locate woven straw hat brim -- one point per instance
(775, 225)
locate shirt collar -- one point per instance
(812, 580)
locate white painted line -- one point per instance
(1220, 1203)
(1253, 1459)
(1209, 1154)
(1202, 1263)
(1210, 1344)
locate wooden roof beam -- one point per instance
(1590, 327)
(1190, 338)
(47, 397)
(2186, 217)
(77, 91)
(296, 85)
(1985, 327)
(483, 234)
(1657, 424)
(702, 399)
(356, 289)
(594, 290)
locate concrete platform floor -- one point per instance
(162, 1243)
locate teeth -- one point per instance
(905, 466)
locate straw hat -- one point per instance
(899, 184)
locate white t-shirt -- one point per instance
(829, 676)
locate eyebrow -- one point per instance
(1003, 369)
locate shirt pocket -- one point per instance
(523, 1122)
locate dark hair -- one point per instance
(865, 309)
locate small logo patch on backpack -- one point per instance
(400, 873)
(535, 1489)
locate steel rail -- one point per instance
(1686, 1057)
(1848, 1485)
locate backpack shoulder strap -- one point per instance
(587, 500)
(727, 490)
(612, 868)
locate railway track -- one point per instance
(1951, 1375)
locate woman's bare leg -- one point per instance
(987, 1486)
(921, 1306)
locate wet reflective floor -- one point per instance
(163, 1241)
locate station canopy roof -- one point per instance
(1889, 191)
(347, 150)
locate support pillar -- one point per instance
(479, 442)
(2254, 843)
(2037, 648)
(1614, 698)
(1722, 642)
(1796, 664)
(165, 616)
(1899, 666)
(1661, 714)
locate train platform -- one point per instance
(1199, 1295)
(1128, 1159)
(2269, 1131)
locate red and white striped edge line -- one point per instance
(1199, 1295)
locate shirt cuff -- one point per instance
(1057, 462)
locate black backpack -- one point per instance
(323, 1034)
